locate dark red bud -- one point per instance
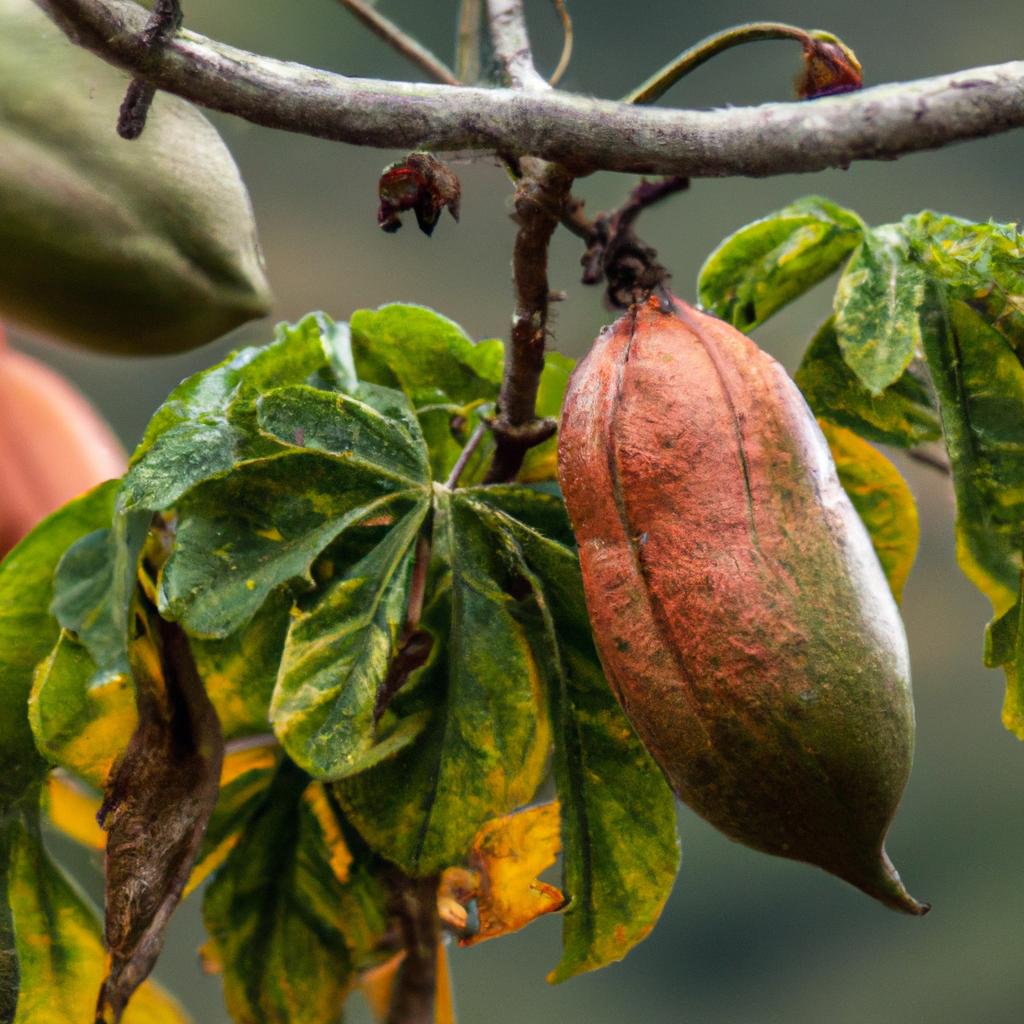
(830, 68)
(420, 183)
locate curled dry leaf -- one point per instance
(507, 856)
(53, 444)
(158, 800)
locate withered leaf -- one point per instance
(158, 800)
(509, 853)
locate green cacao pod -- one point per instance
(135, 247)
(737, 604)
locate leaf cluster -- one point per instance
(305, 666)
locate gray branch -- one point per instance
(582, 134)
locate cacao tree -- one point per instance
(383, 622)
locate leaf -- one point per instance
(27, 632)
(765, 265)
(980, 384)
(338, 655)
(903, 415)
(417, 351)
(59, 946)
(620, 850)
(982, 263)
(510, 853)
(882, 499)
(82, 602)
(348, 459)
(81, 720)
(277, 913)
(71, 808)
(245, 777)
(240, 671)
(1004, 646)
(206, 425)
(877, 307)
(157, 803)
(27, 629)
(484, 751)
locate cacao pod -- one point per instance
(53, 445)
(136, 247)
(737, 604)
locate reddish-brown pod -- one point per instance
(738, 606)
(53, 444)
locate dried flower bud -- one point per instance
(830, 67)
(420, 183)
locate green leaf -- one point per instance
(484, 750)
(27, 629)
(206, 425)
(280, 910)
(620, 850)
(338, 654)
(541, 462)
(240, 538)
(417, 351)
(877, 308)
(882, 499)
(903, 415)
(980, 383)
(60, 950)
(767, 264)
(82, 601)
(1004, 646)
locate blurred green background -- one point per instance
(746, 939)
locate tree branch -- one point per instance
(582, 133)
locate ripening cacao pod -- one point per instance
(53, 445)
(143, 247)
(737, 604)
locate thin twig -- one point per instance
(567, 37)
(467, 41)
(931, 460)
(400, 41)
(582, 133)
(689, 60)
(465, 455)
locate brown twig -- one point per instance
(542, 192)
(615, 253)
(931, 460)
(465, 455)
(410, 48)
(414, 905)
(163, 23)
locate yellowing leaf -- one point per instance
(509, 853)
(60, 951)
(882, 500)
(72, 808)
